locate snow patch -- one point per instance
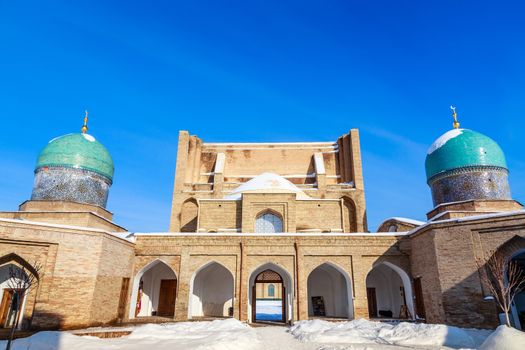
(267, 183)
(89, 137)
(443, 139)
(228, 334)
(504, 338)
(403, 334)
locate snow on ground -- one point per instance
(231, 334)
(505, 338)
(269, 310)
(227, 334)
(402, 334)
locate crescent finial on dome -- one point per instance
(455, 116)
(84, 128)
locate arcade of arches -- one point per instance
(271, 296)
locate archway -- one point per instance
(211, 292)
(329, 292)
(389, 292)
(154, 291)
(349, 215)
(10, 300)
(262, 306)
(518, 306)
(189, 216)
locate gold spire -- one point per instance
(455, 116)
(85, 127)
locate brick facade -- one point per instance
(88, 260)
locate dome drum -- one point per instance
(70, 184)
(476, 182)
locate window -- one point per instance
(268, 223)
(271, 290)
(392, 228)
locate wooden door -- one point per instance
(372, 302)
(168, 290)
(5, 306)
(418, 292)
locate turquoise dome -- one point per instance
(79, 151)
(461, 148)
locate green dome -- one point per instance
(460, 148)
(77, 151)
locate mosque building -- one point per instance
(255, 224)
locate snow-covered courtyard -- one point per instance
(231, 334)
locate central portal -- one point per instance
(268, 298)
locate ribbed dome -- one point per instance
(77, 151)
(462, 148)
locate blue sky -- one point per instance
(258, 71)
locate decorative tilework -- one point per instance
(69, 184)
(470, 183)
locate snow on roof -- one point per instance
(128, 236)
(276, 234)
(407, 220)
(443, 139)
(267, 183)
(467, 219)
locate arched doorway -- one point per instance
(263, 307)
(10, 300)
(329, 293)
(189, 216)
(154, 291)
(211, 292)
(518, 306)
(389, 292)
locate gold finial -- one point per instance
(85, 127)
(455, 116)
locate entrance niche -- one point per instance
(389, 292)
(518, 307)
(329, 293)
(9, 301)
(270, 295)
(154, 291)
(211, 292)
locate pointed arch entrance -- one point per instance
(262, 306)
(389, 292)
(14, 273)
(329, 292)
(518, 305)
(154, 291)
(10, 300)
(211, 292)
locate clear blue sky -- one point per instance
(258, 71)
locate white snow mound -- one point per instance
(443, 139)
(504, 338)
(229, 334)
(367, 332)
(267, 183)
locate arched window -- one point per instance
(268, 223)
(271, 290)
